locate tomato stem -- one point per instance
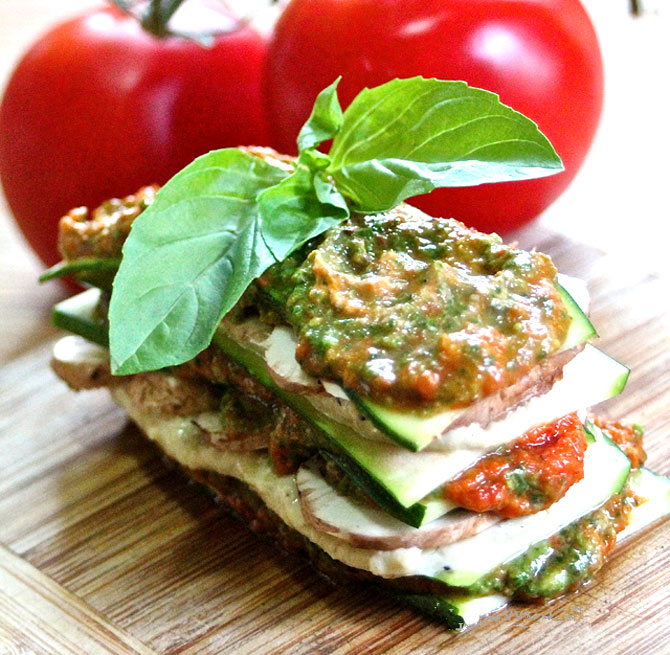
(157, 15)
(153, 15)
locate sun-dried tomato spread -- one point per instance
(527, 476)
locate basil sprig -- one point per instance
(225, 218)
(411, 136)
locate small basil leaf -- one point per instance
(327, 194)
(325, 120)
(314, 159)
(291, 212)
(411, 136)
(188, 259)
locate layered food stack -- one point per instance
(402, 399)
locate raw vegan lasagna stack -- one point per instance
(402, 399)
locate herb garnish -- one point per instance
(229, 215)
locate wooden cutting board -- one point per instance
(106, 550)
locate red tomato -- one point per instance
(98, 107)
(540, 56)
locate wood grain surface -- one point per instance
(110, 551)
(104, 550)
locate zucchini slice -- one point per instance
(395, 478)
(654, 490)
(457, 612)
(415, 431)
(581, 329)
(589, 378)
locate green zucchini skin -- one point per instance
(78, 315)
(255, 366)
(97, 271)
(434, 607)
(413, 515)
(581, 328)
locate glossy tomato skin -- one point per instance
(98, 107)
(541, 56)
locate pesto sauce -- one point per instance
(564, 561)
(417, 311)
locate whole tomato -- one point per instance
(540, 56)
(99, 107)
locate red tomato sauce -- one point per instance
(528, 476)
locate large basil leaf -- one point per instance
(408, 137)
(188, 259)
